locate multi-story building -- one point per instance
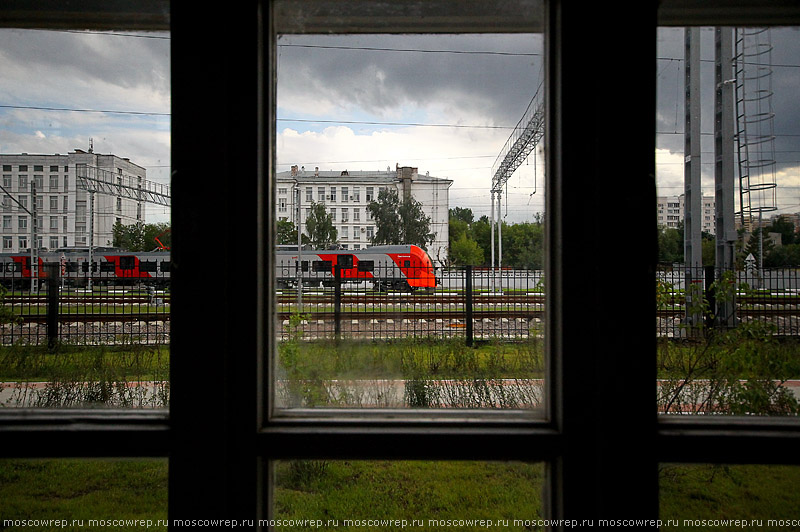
(45, 187)
(671, 211)
(346, 195)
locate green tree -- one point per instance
(787, 256)
(399, 222)
(462, 213)
(465, 252)
(481, 232)
(141, 236)
(785, 227)
(319, 226)
(670, 244)
(286, 232)
(523, 245)
(759, 241)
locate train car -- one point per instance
(109, 266)
(386, 267)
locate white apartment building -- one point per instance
(671, 210)
(346, 195)
(62, 209)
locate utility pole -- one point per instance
(299, 225)
(693, 192)
(725, 230)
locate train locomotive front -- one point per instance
(391, 267)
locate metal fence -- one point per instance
(101, 308)
(470, 303)
(690, 298)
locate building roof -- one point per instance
(362, 176)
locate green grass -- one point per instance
(718, 492)
(82, 490)
(375, 490)
(433, 358)
(339, 490)
(37, 363)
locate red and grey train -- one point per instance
(400, 267)
(109, 266)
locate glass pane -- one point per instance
(728, 497)
(84, 264)
(389, 495)
(72, 494)
(413, 167)
(727, 163)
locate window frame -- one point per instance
(618, 479)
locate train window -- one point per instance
(304, 266)
(72, 267)
(366, 265)
(407, 264)
(148, 266)
(166, 265)
(107, 267)
(345, 261)
(322, 265)
(127, 262)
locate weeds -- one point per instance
(409, 373)
(133, 377)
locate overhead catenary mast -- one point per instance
(99, 180)
(528, 132)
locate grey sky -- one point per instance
(481, 83)
(46, 72)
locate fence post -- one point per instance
(53, 284)
(468, 303)
(337, 301)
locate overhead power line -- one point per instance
(74, 110)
